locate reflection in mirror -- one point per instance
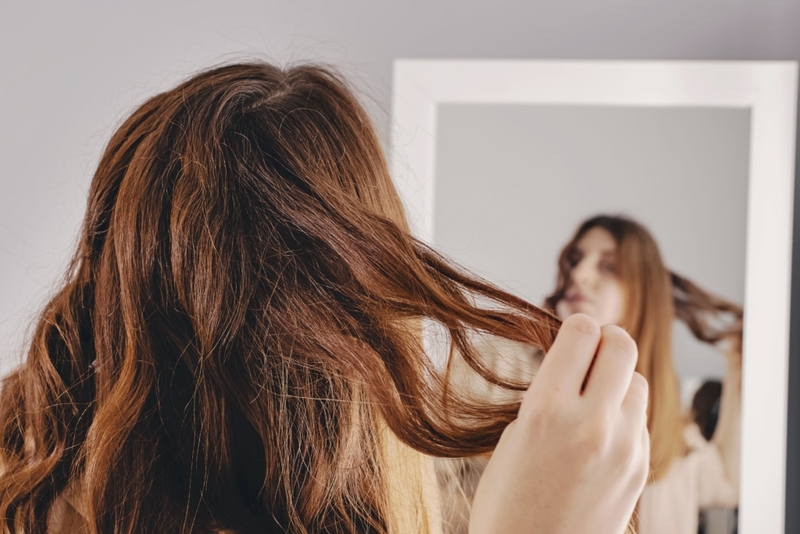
(518, 191)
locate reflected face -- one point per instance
(594, 288)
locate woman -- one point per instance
(612, 270)
(236, 346)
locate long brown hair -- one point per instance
(654, 297)
(239, 327)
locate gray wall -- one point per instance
(513, 182)
(71, 69)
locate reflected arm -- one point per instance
(727, 435)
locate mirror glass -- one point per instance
(515, 181)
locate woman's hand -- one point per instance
(733, 348)
(577, 457)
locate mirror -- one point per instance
(499, 163)
(514, 182)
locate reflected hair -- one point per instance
(654, 297)
(238, 336)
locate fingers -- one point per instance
(636, 400)
(645, 443)
(571, 355)
(634, 408)
(612, 372)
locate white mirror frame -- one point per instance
(767, 89)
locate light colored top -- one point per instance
(696, 481)
(458, 477)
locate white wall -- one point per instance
(69, 71)
(513, 182)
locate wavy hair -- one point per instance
(654, 297)
(238, 335)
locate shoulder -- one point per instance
(64, 518)
(68, 515)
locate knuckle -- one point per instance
(596, 437)
(640, 386)
(582, 324)
(620, 341)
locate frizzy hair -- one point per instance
(654, 297)
(241, 324)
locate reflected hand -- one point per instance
(573, 461)
(733, 344)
